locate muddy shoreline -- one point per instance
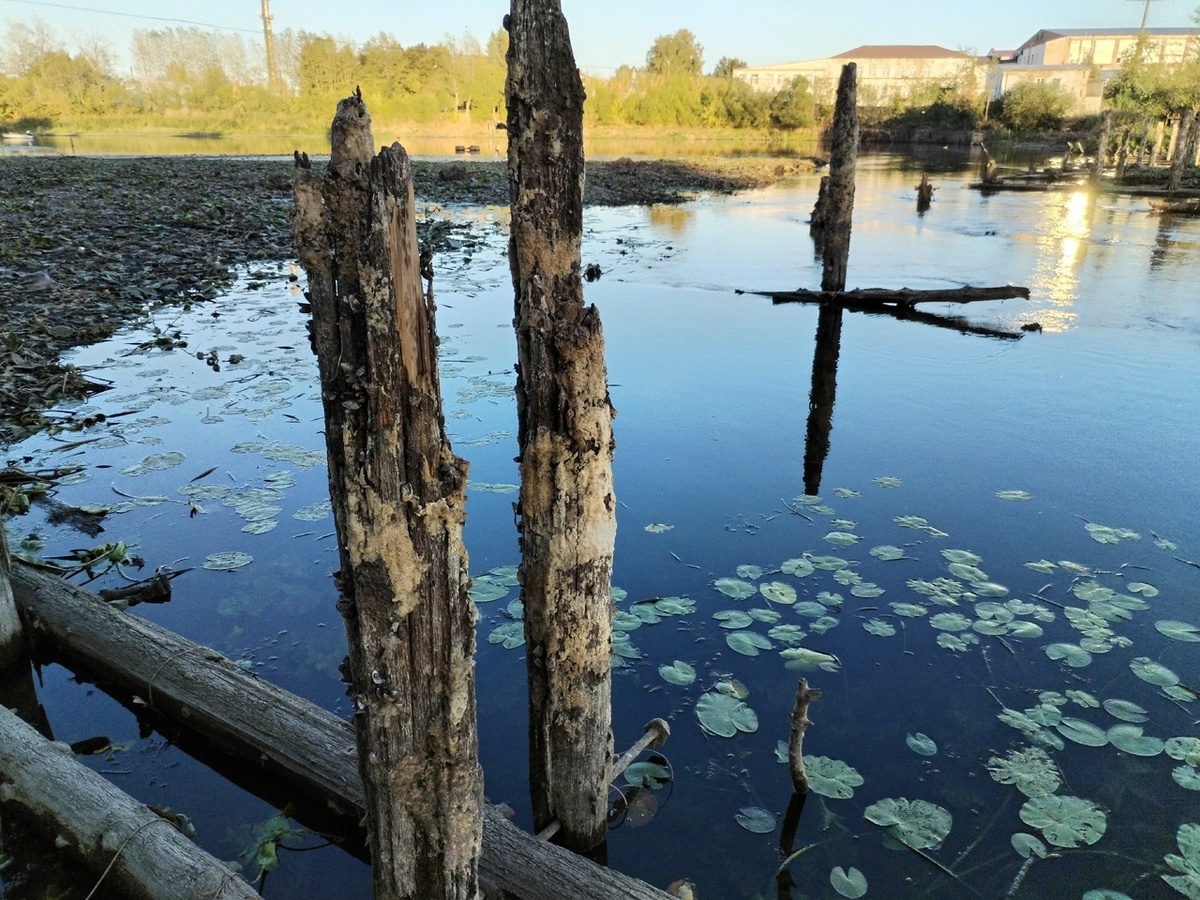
(90, 244)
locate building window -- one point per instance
(754, 80)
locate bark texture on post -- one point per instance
(567, 509)
(800, 722)
(1101, 158)
(398, 496)
(11, 645)
(843, 157)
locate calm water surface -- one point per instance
(1094, 419)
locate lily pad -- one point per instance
(921, 744)
(1178, 631)
(748, 571)
(828, 563)
(799, 567)
(227, 561)
(732, 618)
(962, 557)
(1065, 821)
(1185, 749)
(724, 715)
(511, 635)
(1031, 771)
(917, 823)
(1027, 845)
(778, 592)
(879, 627)
(842, 538)
(1187, 882)
(1129, 738)
(887, 553)
(831, 777)
(658, 527)
(852, 883)
(756, 819)
(1081, 732)
(732, 587)
(1072, 654)
(804, 659)
(950, 621)
(1187, 777)
(787, 634)
(485, 590)
(678, 672)
(1154, 673)
(866, 590)
(747, 643)
(1014, 495)
(1125, 710)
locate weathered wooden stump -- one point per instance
(398, 495)
(843, 159)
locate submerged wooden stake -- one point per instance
(800, 722)
(567, 510)
(924, 193)
(843, 157)
(398, 495)
(11, 645)
(1185, 150)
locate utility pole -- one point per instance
(269, 41)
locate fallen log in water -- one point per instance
(139, 851)
(866, 297)
(290, 737)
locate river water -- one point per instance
(968, 457)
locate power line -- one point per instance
(109, 12)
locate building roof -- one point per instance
(898, 51)
(1049, 34)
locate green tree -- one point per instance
(675, 54)
(794, 105)
(732, 103)
(1035, 106)
(726, 65)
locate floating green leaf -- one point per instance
(1042, 565)
(1154, 673)
(770, 616)
(804, 659)
(1129, 738)
(1105, 894)
(799, 567)
(227, 561)
(647, 774)
(1187, 882)
(921, 744)
(828, 563)
(879, 627)
(917, 823)
(747, 643)
(1031, 771)
(732, 618)
(724, 715)
(1014, 495)
(675, 606)
(1081, 732)
(888, 481)
(1185, 749)
(887, 553)
(756, 819)
(1103, 534)
(732, 587)
(831, 777)
(1065, 821)
(787, 634)
(778, 592)
(748, 571)
(852, 883)
(950, 621)
(678, 672)
(1141, 587)
(1125, 710)
(1072, 654)
(866, 590)
(1027, 845)
(485, 590)
(910, 610)
(1187, 777)
(1084, 699)
(511, 635)
(847, 493)
(1178, 631)
(657, 528)
(962, 557)
(810, 609)
(967, 573)
(843, 538)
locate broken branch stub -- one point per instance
(800, 722)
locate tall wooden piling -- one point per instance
(398, 495)
(1122, 155)
(843, 158)
(11, 644)
(1101, 158)
(567, 510)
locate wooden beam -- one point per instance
(289, 737)
(130, 847)
(881, 297)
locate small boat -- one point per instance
(1186, 206)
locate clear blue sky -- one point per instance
(615, 32)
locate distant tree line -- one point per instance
(197, 79)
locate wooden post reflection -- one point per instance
(824, 391)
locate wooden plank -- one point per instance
(288, 736)
(899, 296)
(130, 847)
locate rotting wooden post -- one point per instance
(924, 193)
(800, 722)
(843, 157)
(1122, 155)
(12, 646)
(398, 495)
(820, 217)
(1183, 155)
(567, 510)
(987, 165)
(1159, 130)
(1143, 146)
(1173, 141)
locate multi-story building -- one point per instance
(1081, 60)
(885, 71)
